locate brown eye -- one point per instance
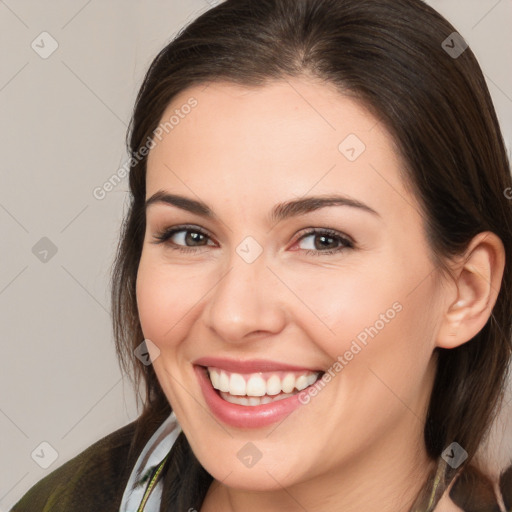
(325, 242)
(182, 238)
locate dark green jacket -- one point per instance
(94, 480)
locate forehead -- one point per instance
(294, 135)
(263, 120)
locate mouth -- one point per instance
(259, 388)
(253, 393)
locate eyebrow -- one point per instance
(280, 211)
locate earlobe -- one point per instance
(477, 283)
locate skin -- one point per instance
(358, 445)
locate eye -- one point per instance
(325, 241)
(189, 238)
(182, 235)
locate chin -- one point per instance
(252, 479)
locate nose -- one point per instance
(245, 302)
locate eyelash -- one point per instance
(163, 238)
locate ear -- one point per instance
(477, 281)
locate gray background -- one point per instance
(64, 119)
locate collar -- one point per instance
(153, 453)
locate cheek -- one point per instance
(387, 352)
(345, 302)
(369, 314)
(163, 300)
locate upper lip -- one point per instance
(249, 366)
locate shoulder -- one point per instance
(92, 480)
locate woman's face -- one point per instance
(250, 284)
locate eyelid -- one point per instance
(330, 231)
(346, 242)
(165, 234)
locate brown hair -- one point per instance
(389, 56)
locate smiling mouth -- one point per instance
(252, 389)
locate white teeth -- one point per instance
(261, 385)
(252, 400)
(273, 385)
(223, 382)
(301, 382)
(256, 386)
(312, 379)
(237, 385)
(288, 383)
(214, 377)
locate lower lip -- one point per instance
(242, 416)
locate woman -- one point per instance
(317, 256)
